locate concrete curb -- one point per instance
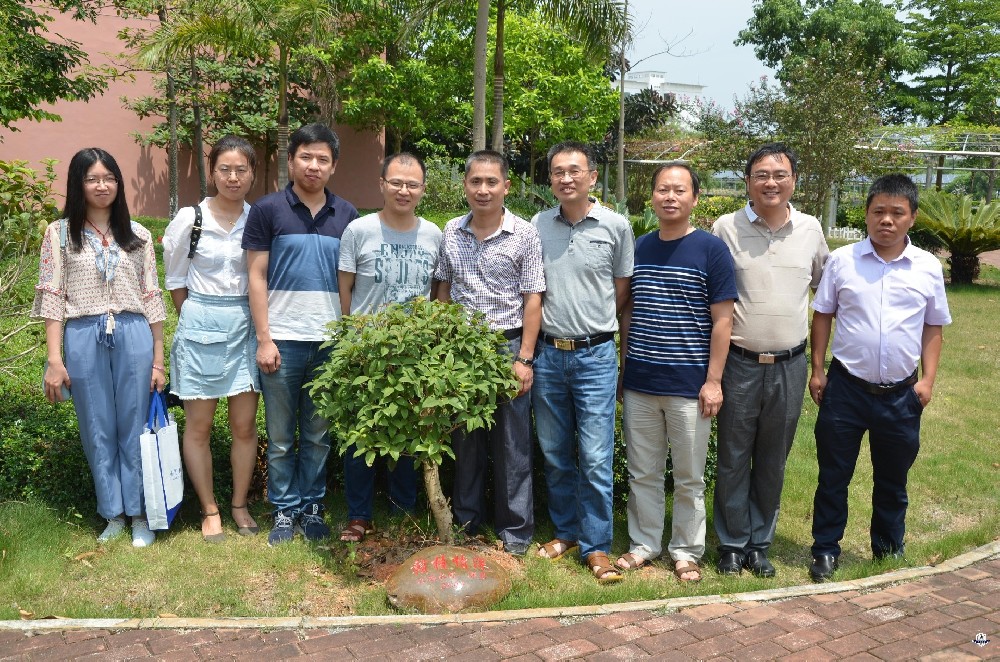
(344, 622)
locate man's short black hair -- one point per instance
(404, 157)
(488, 156)
(896, 185)
(773, 149)
(314, 133)
(695, 180)
(573, 146)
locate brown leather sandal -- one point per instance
(687, 568)
(630, 561)
(356, 530)
(556, 549)
(604, 572)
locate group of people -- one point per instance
(712, 324)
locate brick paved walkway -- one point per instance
(935, 617)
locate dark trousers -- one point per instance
(756, 428)
(509, 443)
(892, 421)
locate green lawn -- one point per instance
(50, 563)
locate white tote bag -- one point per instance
(162, 477)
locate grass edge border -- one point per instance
(959, 562)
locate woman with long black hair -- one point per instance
(100, 298)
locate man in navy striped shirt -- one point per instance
(675, 339)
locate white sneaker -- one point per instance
(116, 526)
(141, 535)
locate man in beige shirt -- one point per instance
(779, 254)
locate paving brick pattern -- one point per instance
(935, 618)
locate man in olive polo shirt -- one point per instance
(779, 254)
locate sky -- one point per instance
(704, 32)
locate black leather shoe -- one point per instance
(757, 563)
(730, 563)
(823, 567)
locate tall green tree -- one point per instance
(960, 42)
(556, 92)
(400, 75)
(253, 29)
(829, 105)
(39, 67)
(598, 25)
(783, 30)
(870, 32)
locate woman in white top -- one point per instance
(214, 349)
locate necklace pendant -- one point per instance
(104, 241)
(110, 326)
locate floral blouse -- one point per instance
(133, 288)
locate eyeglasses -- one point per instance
(574, 174)
(96, 181)
(226, 171)
(399, 185)
(778, 177)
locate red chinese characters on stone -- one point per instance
(447, 579)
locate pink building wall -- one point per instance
(105, 122)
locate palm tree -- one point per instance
(599, 24)
(963, 228)
(248, 28)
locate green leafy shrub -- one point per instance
(399, 381)
(711, 207)
(445, 192)
(40, 453)
(26, 205)
(526, 200)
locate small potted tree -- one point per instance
(399, 381)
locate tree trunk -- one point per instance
(282, 118)
(498, 79)
(964, 269)
(479, 76)
(198, 139)
(439, 504)
(172, 166)
(172, 130)
(620, 188)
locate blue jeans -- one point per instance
(359, 486)
(573, 397)
(296, 478)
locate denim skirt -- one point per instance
(214, 353)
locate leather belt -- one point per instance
(570, 344)
(510, 334)
(768, 357)
(870, 387)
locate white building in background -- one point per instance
(684, 93)
(636, 81)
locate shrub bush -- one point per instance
(711, 207)
(26, 205)
(444, 192)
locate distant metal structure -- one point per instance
(935, 145)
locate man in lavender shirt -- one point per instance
(889, 300)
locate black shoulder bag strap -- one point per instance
(195, 231)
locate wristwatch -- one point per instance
(524, 361)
